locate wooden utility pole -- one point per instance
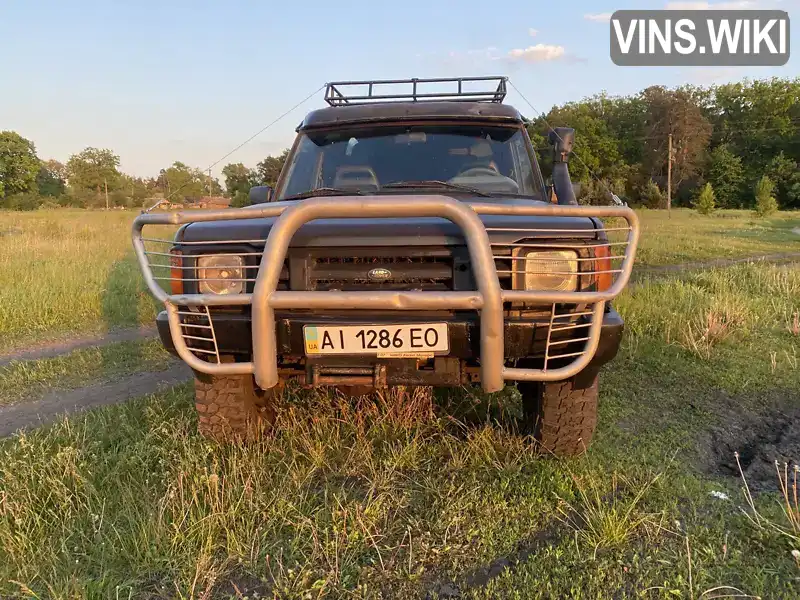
(105, 183)
(669, 178)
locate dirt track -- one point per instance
(775, 259)
(57, 348)
(59, 403)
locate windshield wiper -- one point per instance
(324, 191)
(435, 183)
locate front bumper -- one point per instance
(524, 341)
(577, 315)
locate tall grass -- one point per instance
(67, 271)
(64, 271)
(379, 497)
(343, 493)
(705, 308)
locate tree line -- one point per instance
(92, 179)
(728, 142)
(89, 179)
(727, 136)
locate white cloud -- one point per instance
(599, 17)
(735, 5)
(533, 32)
(537, 53)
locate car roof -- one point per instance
(410, 111)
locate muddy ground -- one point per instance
(772, 434)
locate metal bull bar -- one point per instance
(488, 299)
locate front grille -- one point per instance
(421, 269)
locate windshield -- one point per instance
(490, 160)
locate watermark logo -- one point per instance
(734, 38)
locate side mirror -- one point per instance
(260, 194)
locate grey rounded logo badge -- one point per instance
(379, 274)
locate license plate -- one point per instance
(379, 340)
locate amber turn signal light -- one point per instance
(176, 271)
(602, 265)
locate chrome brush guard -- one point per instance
(196, 323)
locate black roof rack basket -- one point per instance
(479, 89)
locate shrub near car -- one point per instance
(410, 241)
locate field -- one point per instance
(390, 497)
(93, 282)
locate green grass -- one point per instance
(65, 272)
(22, 380)
(374, 498)
(689, 236)
(68, 271)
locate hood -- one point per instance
(418, 231)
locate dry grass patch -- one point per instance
(700, 335)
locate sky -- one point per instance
(160, 81)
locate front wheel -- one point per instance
(232, 408)
(560, 417)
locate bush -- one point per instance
(705, 200)
(766, 204)
(240, 199)
(119, 198)
(598, 192)
(726, 173)
(651, 195)
(27, 201)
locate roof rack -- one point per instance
(341, 93)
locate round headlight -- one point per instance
(220, 274)
(554, 270)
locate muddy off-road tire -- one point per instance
(561, 418)
(231, 408)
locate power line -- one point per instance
(734, 132)
(240, 146)
(578, 156)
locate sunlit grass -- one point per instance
(367, 498)
(67, 271)
(688, 236)
(381, 497)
